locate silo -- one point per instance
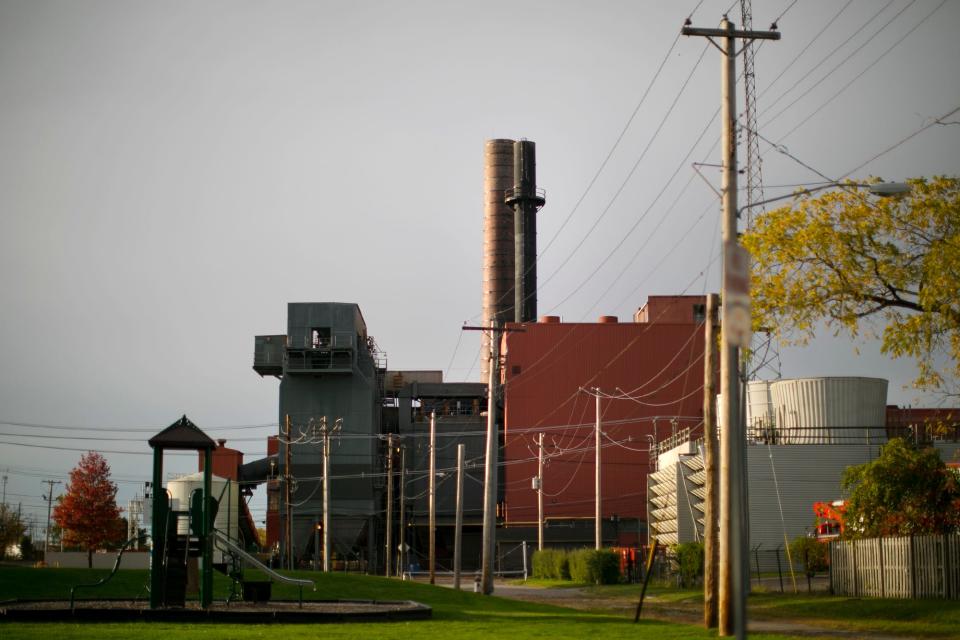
(226, 491)
(834, 410)
(760, 415)
(498, 249)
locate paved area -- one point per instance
(653, 607)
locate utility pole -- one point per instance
(326, 492)
(598, 506)
(540, 493)
(4, 489)
(287, 493)
(49, 497)
(403, 509)
(710, 446)
(389, 541)
(490, 465)
(433, 497)
(735, 298)
(458, 526)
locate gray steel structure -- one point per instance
(458, 408)
(329, 370)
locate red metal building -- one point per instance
(650, 377)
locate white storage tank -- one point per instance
(831, 410)
(223, 490)
(760, 414)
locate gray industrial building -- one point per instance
(331, 378)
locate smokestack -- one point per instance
(498, 250)
(526, 200)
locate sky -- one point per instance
(172, 174)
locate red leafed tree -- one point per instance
(88, 512)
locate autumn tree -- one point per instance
(846, 257)
(88, 512)
(11, 529)
(904, 491)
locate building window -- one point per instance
(699, 313)
(320, 337)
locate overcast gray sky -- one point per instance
(172, 174)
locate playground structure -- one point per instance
(184, 535)
(180, 534)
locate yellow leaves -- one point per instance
(846, 257)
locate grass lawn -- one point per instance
(908, 618)
(455, 614)
(911, 618)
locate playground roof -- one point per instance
(182, 434)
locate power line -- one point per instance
(829, 55)
(630, 174)
(862, 73)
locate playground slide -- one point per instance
(220, 538)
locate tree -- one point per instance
(844, 257)
(11, 529)
(811, 553)
(904, 491)
(88, 512)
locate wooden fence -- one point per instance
(902, 567)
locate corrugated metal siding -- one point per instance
(805, 474)
(543, 369)
(821, 410)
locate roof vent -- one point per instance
(549, 319)
(608, 320)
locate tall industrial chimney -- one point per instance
(498, 251)
(511, 202)
(526, 199)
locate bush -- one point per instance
(690, 558)
(593, 566)
(809, 553)
(551, 564)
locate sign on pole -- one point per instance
(736, 306)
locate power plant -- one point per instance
(607, 411)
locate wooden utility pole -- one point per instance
(458, 526)
(734, 332)
(710, 446)
(598, 506)
(490, 466)
(287, 492)
(403, 509)
(540, 494)
(389, 532)
(326, 498)
(49, 497)
(433, 497)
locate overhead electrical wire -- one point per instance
(630, 173)
(865, 70)
(825, 58)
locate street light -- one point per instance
(883, 189)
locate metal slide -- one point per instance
(219, 537)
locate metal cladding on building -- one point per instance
(657, 364)
(510, 205)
